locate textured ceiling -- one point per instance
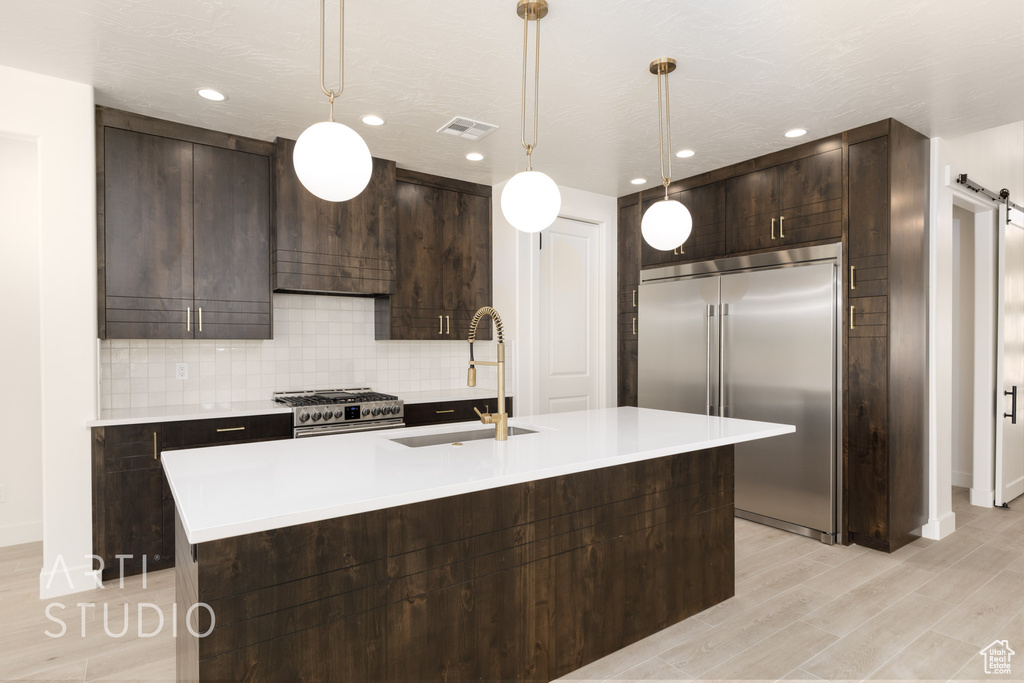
(748, 71)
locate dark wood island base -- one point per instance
(523, 582)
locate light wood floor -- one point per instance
(802, 610)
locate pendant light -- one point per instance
(667, 223)
(530, 200)
(330, 159)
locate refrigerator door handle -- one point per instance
(721, 363)
(709, 313)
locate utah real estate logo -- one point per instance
(997, 657)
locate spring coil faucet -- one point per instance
(499, 420)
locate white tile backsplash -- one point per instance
(319, 342)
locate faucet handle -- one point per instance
(485, 418)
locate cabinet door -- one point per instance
(628, 299)
(466, 266)
(812, 198)
(706, 205)
(869, 219)
(340, 247)
(147, 227)
(868, 441)
(417, 304)
(752, 211)
(232, 244)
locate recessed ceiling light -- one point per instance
(475, 156)
(211, 94)
(685, 153)
(638, 181)
(795, 133)
(372, 120)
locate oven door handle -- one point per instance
(304, 432)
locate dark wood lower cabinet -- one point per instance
(522, 582)
(133, 511)
(420, 414)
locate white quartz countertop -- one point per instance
(204, 411)
(227, 491)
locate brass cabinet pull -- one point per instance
(448, 324)
(634, 325)
(440, 324)
(851, 317)
(200, 318)
(781, 218)
(773, 228)
(853, 285)
(188, 319)
(634, 298)
(155, 456)
(231, 429)
(444, 412)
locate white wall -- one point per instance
(963, 346)
(59, 116)
(21, 467)
(994, 158)
(515, 273)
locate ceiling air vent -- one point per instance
(467, 128)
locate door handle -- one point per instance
(722, 410)
(708, 313)
(773, 228)
(853, 285)
(1013, 405)
(781, 218)
(851, 318)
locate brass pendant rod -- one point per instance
(341, 52)
(664, 131)
(529, 147)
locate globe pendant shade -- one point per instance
(530, 201)
(332, 161)
(666, 224)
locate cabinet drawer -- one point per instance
(870, 316)
(129, 441)
(868, 277)
(419, 414)
(194, 433)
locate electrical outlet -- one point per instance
(181, 371)
(3, 493)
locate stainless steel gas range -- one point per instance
(339, 411)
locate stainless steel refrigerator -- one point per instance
(756, 338)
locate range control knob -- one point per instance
(328, 414)
(316, 415)
(366, 411)
(375, 411)
(303, 417)
(395, 410)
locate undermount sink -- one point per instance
(457, 437)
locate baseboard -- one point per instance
(58, 580)
(16, 534)
(983, 498)
(938, 529)
(963, 479)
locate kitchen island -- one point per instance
(356, 557)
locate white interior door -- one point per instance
(569, 325)
(1009, 467)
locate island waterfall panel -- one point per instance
(522, 582)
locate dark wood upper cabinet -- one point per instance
(232, 243)
(752, 211)
(147, 195)
(183, 231)
(443, 260)
(333, 247)
(706, 205)
(796, 202)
